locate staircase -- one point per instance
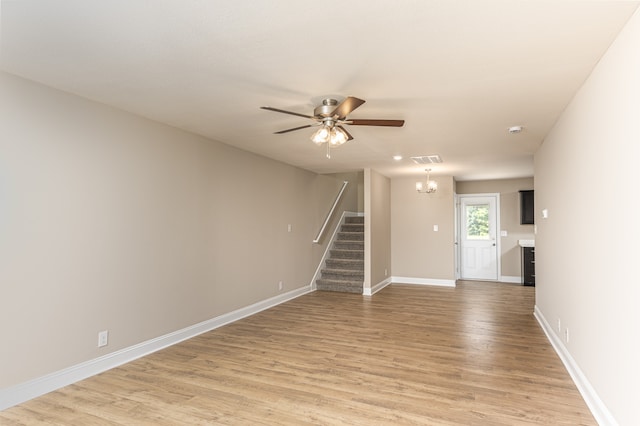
(344, 269)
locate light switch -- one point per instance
(545, 213)
(435, 228)
(504, 233)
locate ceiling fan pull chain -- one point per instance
(328, 150)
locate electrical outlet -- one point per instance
(103, 338)
(289, 228)
(280, 285)
(566, 334)
(385, 272)
(559, 326)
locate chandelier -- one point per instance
(428, 186)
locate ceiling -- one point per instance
(459, 72)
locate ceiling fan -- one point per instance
(331, 117)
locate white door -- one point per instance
(478, 244)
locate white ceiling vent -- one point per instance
(427, 159)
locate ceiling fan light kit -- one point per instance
(321, 136)
(333, 135)
(331, 117)
(338, 137)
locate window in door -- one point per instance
(478, 222)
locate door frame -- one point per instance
(458, 219)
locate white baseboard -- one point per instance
(600, 411)
(33, 388)
(510, 279)
(376, 288)
(423, 281)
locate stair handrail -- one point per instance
(330, 214)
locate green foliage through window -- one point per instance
(478, 221)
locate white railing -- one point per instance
(330, 214)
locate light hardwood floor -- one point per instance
(470, 355)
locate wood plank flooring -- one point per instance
(410, 355)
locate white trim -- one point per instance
(512, 280)
(376, 288)
(456, 233)
(423, 281)
(33, 388)
(599, 410)
(325, 255)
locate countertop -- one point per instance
(527, 243)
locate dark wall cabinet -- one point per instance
(526, 207)
(529, 265)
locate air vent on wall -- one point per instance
(427, 159)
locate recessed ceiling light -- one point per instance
(397, 157)
(515, 129)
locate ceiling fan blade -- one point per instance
(364, 122)
(291, 130)
(349, 137)
(268, 108)
(346, 106)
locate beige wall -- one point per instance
(586, 251)
(110, 221)
(417, 251)
(351, 200)
(377, 228)
(354, 196)
(509, 218)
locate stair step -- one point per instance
(354, 219)
(338, 253)
(345, 263)
(352, 227)
(344, 269)
(342, 274)
(338, 285)
(348, 245)
(350, 236)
